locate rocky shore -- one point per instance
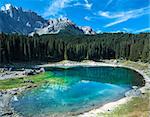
(7, 95)
(9, 74)
(11, 94)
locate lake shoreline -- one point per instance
(108, 107)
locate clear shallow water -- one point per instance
(81, 89)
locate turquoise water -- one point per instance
(83, 89)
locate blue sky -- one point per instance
(101, 15)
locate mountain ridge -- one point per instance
(17, 20)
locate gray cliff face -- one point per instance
(60, 25)
(17, 20)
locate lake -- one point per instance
(75, 90)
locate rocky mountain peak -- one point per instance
(62, 20)
(17, 20)
(7, 7)
(88, 30)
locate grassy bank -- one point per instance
(20, 82)
(136, 107)
(46, 77)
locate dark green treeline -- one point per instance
(46, 48)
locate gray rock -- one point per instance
(29, 72)
(134, 87)
(0, 94)
(7, 114)
(28, 81)
(42, 70)
(133, 93)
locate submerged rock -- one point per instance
(133, 93)
(5, 109)
(7, 114)
(15, 98)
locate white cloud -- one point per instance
(128, 30)
(86, 5)
(56, 6)
(123, 16)
(98, 31)
(109, 2)
(111, 15)
(137, 31)
(116, 22)
(87, 18)
(143, 30)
